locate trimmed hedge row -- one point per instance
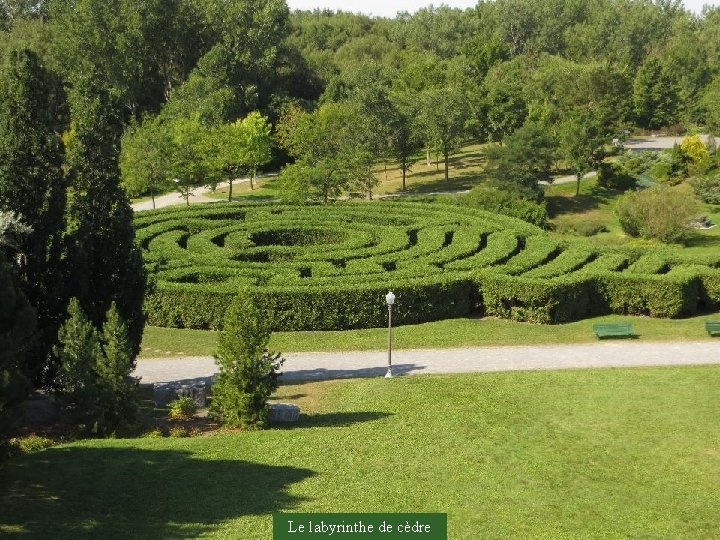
(326, 268)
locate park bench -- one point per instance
(712, 327)
(613, 330)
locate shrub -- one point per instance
(708, 188)
(183, 408)
(248, 372)
(697, 152)
(29, 444)
(658, 213)
(507, 203)
(580, 226)
(615, 176)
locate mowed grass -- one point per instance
(621, 453)
(465, 332)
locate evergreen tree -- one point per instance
(106, 264)
(248, 373)
(95, 388)
(77, 351)
(17, 325)
(32, 184)
(115, 367)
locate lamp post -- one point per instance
(390, 299)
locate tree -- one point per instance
(710, 103)
(581, 142)
(525, 158)
(403, 139)
(145, 152)
(248, 372)
(190, 164)
(257, 142)
(94, 388)
(443, 117)
(115, 367)
(17, 327)
(106, 265)
(330, 150)
(655, 97)
(32, 184)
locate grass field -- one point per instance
(622, 453)
(466, 332)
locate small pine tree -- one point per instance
(115, 366)
(77, 351)
(95, 390)
(248, 372)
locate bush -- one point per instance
(708, 188)
(248, 372)
(580, 226)
(615, 176)
(182, 409)
(658, 213)
(507, 203)
(30, 444)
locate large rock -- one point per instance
(197, 389)
(284, 413)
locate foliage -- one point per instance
(615, 176)
(330, 153)
(248, 372)
(708, 188)
(695, 149)
(105, 264)
(144, 158)
(658, 213)
(32, 185)
(182, 408)
(94, 387)
(17, 328)
(581, 141)
(508, 203)
(655, 96)
(585, 226)
(524, 159)
(30, 444)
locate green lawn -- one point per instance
(466, 332)
(618, 453)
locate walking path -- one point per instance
(315, 366)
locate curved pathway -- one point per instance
(334, 365)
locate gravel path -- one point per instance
(314, 366)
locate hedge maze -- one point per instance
(329, 267)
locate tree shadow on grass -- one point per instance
(113, 493)
(320, 374)
(333, 419)
(559, 204)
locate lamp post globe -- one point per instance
(390, 300)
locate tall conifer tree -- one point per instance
(106, 263)
(32, 185)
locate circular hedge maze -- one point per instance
(329, 267)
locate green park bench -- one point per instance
(712, 327)
(613, 330)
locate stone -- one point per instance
(197, 389)
(284, 413)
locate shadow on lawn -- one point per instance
(131, 493)
(319, 374)
(340, 419)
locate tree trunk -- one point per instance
(253, 171)
(152, 196)
(404, 169)
(385, 174)
(427, 155)
(437, 162)
(230, 191)
(577, 187)
(446, 155)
